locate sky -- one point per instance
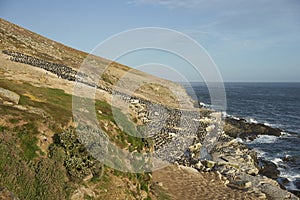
(256, 40)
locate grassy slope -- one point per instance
(30, 170)
(31, 173)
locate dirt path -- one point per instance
(184, 184)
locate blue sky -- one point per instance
(255, 40)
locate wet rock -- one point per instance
(268, 169)
(296, 192)
(297, 183)
(242, 129)
(283, 182)
(288, 158)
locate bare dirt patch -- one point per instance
(186, 184)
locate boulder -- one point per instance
(288, 158)
(9, 95)
(283, 182)
(252, 171)
(245, 130)
(240, 184)
(268, 169)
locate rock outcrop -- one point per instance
(9, 95)
(175, 141)
(244, 130)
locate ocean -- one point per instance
(273, 104)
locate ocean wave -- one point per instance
(201, 104)
(252, 120)
(205, 105)
(291, 176)
(291, 185)
(231, 116)
(265, 139)
(240, 140)
(277, 161)
(283, 133)
(260, 153)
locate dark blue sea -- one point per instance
(274, 104)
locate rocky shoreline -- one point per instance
(234, 161)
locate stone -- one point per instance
(172, 134)
(276, 193)
(252, 171)
(199, 166)
(240, 184)
(268, 169)
(206, 120)
(210, 128)
(8, 103)
(283, 182)
(20, 107)
(195, 147)
(134, 101)
(297, 183)
(208, 164)
(288, 158)
(10, 95)
(216, 115)
(88, 177)
(244, 130)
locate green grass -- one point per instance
(28, 145)
(40, 179)
(54, 101)
(122, 120)
(106, 110)
(30, 176)
(106, 78)
(126, 129)
(3, 128)
(28, 141)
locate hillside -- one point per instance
(18, 39)
(47, 154)
(41, 157)
(42, 112)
